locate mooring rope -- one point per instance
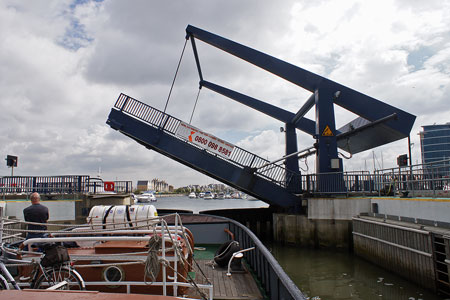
(152, 261)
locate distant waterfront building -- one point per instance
(143, 185)
(435, 147)
(153, 185)
(160, 185)
(217, 187)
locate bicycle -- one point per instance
(55, 275)
(59, 275)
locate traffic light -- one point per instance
(11, 161)
(402, 160)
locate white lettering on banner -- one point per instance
(204, 140)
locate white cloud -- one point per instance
(65, 63)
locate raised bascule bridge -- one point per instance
(278, 182)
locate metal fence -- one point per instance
(97, 186)
(339, 183)
(273, 172)
(8, 229)
(65, 185)
(431, 180)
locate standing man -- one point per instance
(36, 213)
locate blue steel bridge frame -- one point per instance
(378, 123)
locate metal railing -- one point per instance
(432, 180)
(97, 186)
(274, 280)
(9, 229)
(68, 184)
(239, 157)
(65, 185)
(339, 183)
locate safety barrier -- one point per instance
(432, 179)
(275, 282)
(67, 184)
(428, 180)
(61, 185)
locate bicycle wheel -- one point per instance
(55, 275)
(3, 283)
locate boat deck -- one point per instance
(237, 286)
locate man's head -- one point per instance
(35, 198)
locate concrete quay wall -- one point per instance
(408, 236)
(327, 224)
(407, 249)
(432, 209)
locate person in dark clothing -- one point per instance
(36, 213)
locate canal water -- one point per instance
(319, 274)
(328, 274)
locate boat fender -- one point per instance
(225, 252)
(106, 215)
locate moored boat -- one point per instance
(236, 195)
(208, 195)
(118, 251)
(145, 197)
(192, 195)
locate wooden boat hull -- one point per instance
(116, 269)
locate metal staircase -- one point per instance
(243, 170)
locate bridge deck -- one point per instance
(243, 170)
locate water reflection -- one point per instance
(327, 274)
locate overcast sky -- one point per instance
(64, 63)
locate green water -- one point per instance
(328, 274)
(324, 274)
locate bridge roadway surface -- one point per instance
(164, 141)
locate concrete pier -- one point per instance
(327, 224)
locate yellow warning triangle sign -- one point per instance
(327, 131)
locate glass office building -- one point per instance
(435, 148)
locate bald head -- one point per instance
(35, 198)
